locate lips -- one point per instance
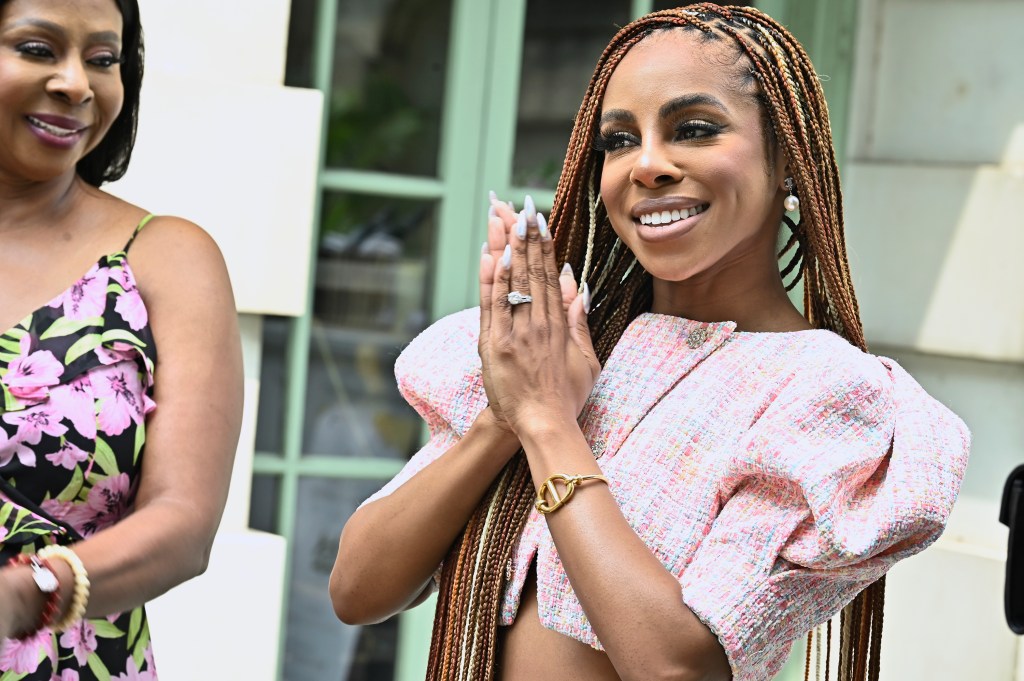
(58, 126)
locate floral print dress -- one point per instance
(76, 381)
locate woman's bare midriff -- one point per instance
(529, 652)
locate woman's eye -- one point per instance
(614, 141)
(693, 130)
(40, 50)
(105, 61)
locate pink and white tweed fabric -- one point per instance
(774, 474)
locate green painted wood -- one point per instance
(638, 8)
(361, 468)
(381, 184)
(462, 216)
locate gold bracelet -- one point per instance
(80, 597)
(570, 482)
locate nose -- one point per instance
(71, 82)
(654, 167)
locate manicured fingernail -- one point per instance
(511, 206)
(491, 212)
(506, 256)
(484, 250)
(521, 225)
(492, 195)
(586, 298)
(542, 225)
(531, 210)
(566, 270)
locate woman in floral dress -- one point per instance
(120, 363)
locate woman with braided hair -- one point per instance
(668, 471)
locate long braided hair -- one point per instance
(476, 570)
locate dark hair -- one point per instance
(109, 160)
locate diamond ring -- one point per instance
(515, 298)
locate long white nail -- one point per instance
(484, 250)
(511, 206)
(566, 270)
(586, 298)
(529, 207)
(542, 225)
(491, 212)
(521, 225)
(492, 195)
(506, 256)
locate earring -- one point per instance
(791, 203)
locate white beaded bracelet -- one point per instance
(80, 598)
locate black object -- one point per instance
(1011, 514)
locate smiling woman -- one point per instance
(663, 468)
(107, 499)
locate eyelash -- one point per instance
(618, 140)
(42, 51)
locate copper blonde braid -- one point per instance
(474, 576)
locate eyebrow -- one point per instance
(98, 36)
(668, 108)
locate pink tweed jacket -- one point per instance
(774, 474)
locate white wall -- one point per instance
(934, 194)
(223, 143)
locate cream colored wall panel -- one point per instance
(900, 224)
(224, 624)
(938, 80)
(241, 162)
(236, 510)
(944, 620)
(228, 40)
(977, 308)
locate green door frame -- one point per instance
(477, 146)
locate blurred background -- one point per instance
(341, 152)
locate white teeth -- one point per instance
(665, 217)
(52, 129)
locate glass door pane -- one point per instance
(561, 44)
(370, 299)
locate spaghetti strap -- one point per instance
(142, 223)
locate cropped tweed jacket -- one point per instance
(774, 474)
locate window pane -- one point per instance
(271, 405)
(266, 496)
(390, 60)
(370, 300)
(562, 43)
(318, 645)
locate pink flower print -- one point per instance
(87, 297)
(24, 656)
(66, 675)
(119, 392)
(31, 374)
(81, 639)
(131, 308)
(36, 421)
(106, 504)
(132, 673)
(75, 401)
(60, 510)
(15, 446)
(3, 533)
(68, 456)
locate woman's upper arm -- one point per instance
(192, 434)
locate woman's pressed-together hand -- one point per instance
(539, 364)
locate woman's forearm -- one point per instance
(390, 548)
(634, 604)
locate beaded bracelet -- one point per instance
(80, 598)
(45, 578)
(557, 501)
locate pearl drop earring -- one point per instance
(791, 203)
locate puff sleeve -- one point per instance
(439, 375)
(847, 469)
